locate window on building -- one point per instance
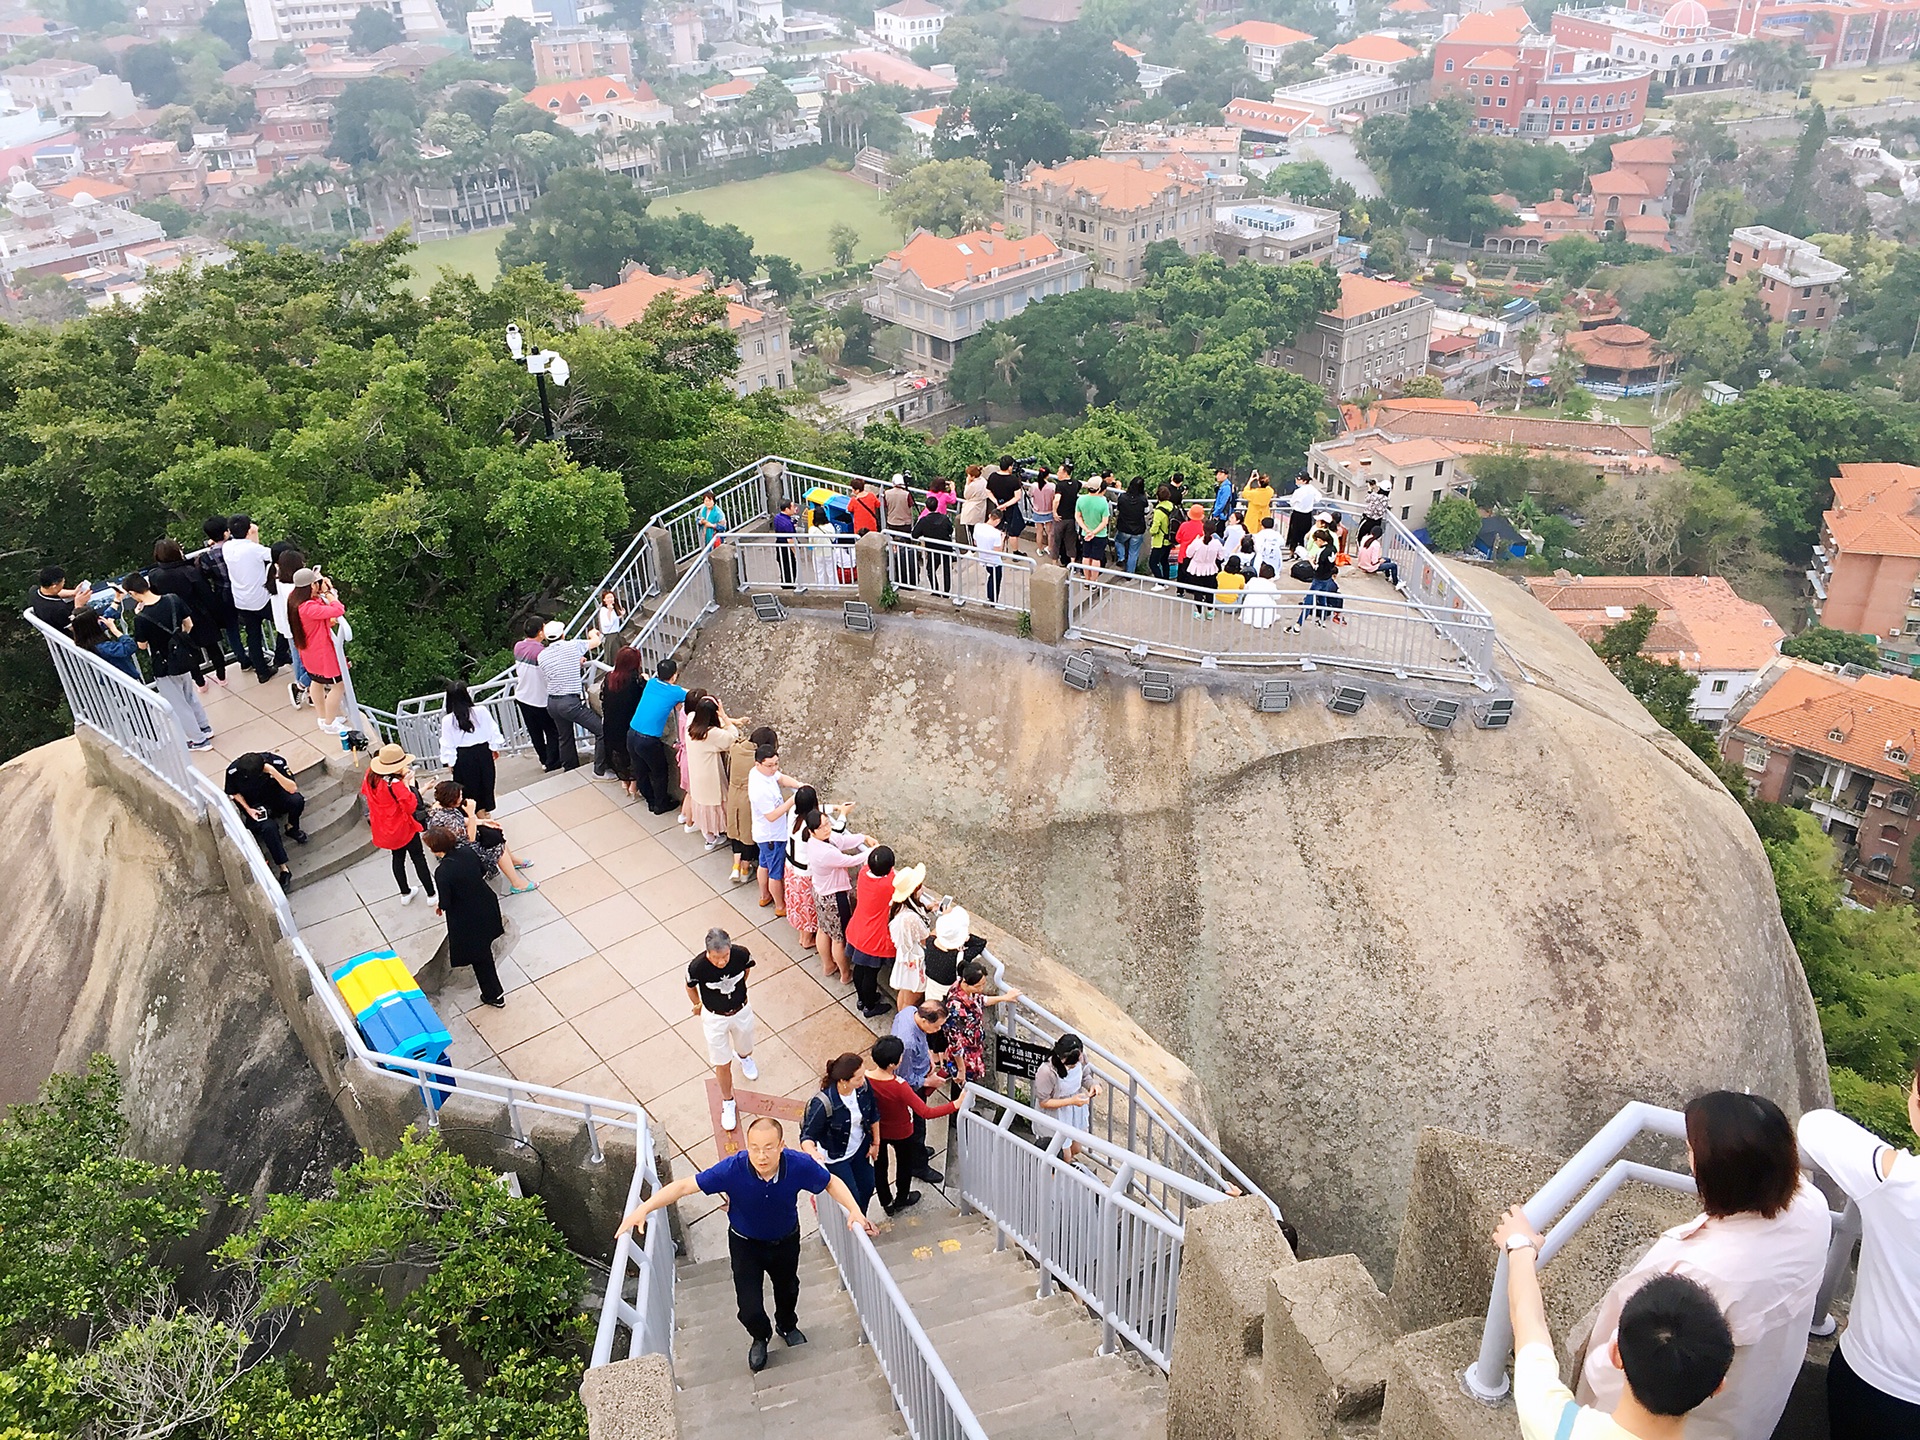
(1406, 512)
(1900, 802)
(1503, 102)
(1756, 757)
(1449, 67)
(1719, 687)
(1473, 79)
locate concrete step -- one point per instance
(1053, 1411)
(333, 816)
(1075, 1387)
(316, 861)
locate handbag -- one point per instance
(488, 836)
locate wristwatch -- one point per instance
(1521, 1242)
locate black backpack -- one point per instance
(1302, 570)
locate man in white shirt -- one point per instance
(1873, 1380)
(1673, 1344)
(1301, 504)
(772, 809)
(247, 564)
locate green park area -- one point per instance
(785, 214)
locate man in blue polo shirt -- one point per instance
(658, 701)
(762, 1186)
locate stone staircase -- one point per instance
(335, 823)
(1030, 1368)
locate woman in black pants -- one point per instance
(394, 810)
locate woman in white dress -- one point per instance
(1260, 601)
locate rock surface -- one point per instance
(1347, 927)
(117, 939)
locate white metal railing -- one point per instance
(929, 1398)
(1106, 1240)
(742, 497)
(680, 614)
(998, 579)
(1394, 637)
(793, 562)
(640, 1278)
(113, 704)
(1129, 1111)
(1579, 1188)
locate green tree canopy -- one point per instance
(374, 28)
(1726, 333)
(1432, 160)
(590, 223)
(359, 116)
(1453, 523)
(945, 196)
(1823, 646)
(1011, 129)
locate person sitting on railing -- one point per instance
(1759, 1247)
(967, 1005)
(163, 627)
(262, 788)
(934, 531)
(1372, 560)
(470, 742)
(762, 1186)
(472, 912)
(453, 809)
(1873, 1380)
(1260, 601)
(97, 635)
(841, 1126)
(1673, 1348)
(903, 1127)
(1065, 1089)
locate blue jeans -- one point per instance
(1126, 552)
(858, 1175)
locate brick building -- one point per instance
(1112, 212)
(1842, 746)
(1800, 287)
(1519, 82)
(580, 52)
(1865, 573)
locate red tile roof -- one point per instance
(1876, 509)
(626, 302)
(1362, 295)
(940, 263)
(1381, 49)
(1491, 27)
(1617, 347)
(1264, 32)
(1267, 118)
(1703, 624)
(1113, 185)
(1854, 719)
(570, 97)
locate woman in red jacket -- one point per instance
(900, 1146)
(869, 940)
(393, 809)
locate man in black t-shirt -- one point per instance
(717, 990)
(1003, 484)
(52, 602)
(935, 531)
(261, 784)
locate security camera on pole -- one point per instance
(540, 364)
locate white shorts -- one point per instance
(728, 1036)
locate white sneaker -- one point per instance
(715, 842)
(748, 1068)
(406, 896)
(333, 725)
(729, 1115)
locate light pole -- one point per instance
(540, 364)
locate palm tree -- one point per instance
(830, 343)
(1006, 353)
(1526, 342)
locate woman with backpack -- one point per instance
(397, 815)
(173, 574)
(841, 1127)
(1160, 528)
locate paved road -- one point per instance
(1337, 152)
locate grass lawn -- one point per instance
(789, 214)
(1866, 87)
(1633, 410)
(472, 253)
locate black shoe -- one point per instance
(757, 1356)
(285, 877)
(299, 837)
(874, 1011)
(930, 1175)
(795, 1336)
(904, 1202)
(497, 1004)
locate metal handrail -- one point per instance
(1112, 1243)
(1579, 1188)
(1182, 1146)
(925, 1391)
(963, 569)
(648, 1316)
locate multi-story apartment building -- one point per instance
(1419, 471)
(1274, 232)
(69, 90)
(1266, 43)
(1865, 574)
(762, 338)
(909, 23)
(943, 292)
(1843, 746)
(292, 134)
(1376, 335)
(304, 22)
(1112, 212)
(46, 235)
(1362, 93)
(1213, 151)
(582, 51)
(1519, 82)
(1706, 629)
(1684, 48)
(1799, 286)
